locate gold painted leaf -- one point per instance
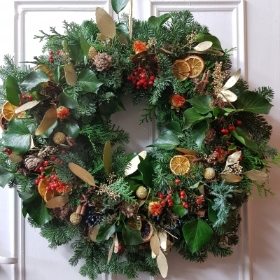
(256, 175)
(162, 264)
(201, 189)
(186, 151)
(27, 106)
(122, 39)
(232, 80)
(133, 164)
(233, 158)
(203, 46)
(155, 244)
(70, 74)
(107, 157)
(231, 178)
(105, 23)
(81, 173)
(111, 252)
(48, 120)
(163, 239)
(57, 201)
(93, 233)
(227, 95)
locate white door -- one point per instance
(255, 33)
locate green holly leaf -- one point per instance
(76, 52)
(196, 233)
(212, 214)
(105, 232)
(67, 101)
(122, 29)
(84, 45)
(5, 177)
(202, 37)
(12, 90)
(71, 129)
(88, 81)
(36, 208)
(199, 132)
(175, 128)
(175, 197)
(202, 103)
(167, 141)
(158, 21)
(243, 136)
(111, 106)
(118, 5)
(56, 74)
(252, 102)
(17, 137)
(179, 210)
(146, 171)
(191, 117)
(35, 78)
(131, 236)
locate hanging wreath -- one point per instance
(123, 213)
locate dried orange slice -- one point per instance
(179, 165)
(197, 65)
(8, 111)
(46, 194)
(181, 69)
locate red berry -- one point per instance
(57, 53)
(152, 78)
(5, 150)
(30, 97)
(198, 201)
(177, 181)
(238, 122)
(37, 181)
(182, 193)
(162, 203)
(45, 163)
(224, 131)
(185, 205)
(169, 197)
(51, 60)
(22, 96)
(63, 152)
(151, 83)
(160, 195)
(50, 52)
(170, 192)
(9, 151)
(231, 127)
(53, 158)
(41, 168)
(20, 103)
(170, 203)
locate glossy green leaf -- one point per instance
(12, 90)
(76, 52)
(202, 37)
(218, 112)
(196, 233)
(191, 117)
(243, 136)
(199, 131)
(131, 236)
(56, 74)
(17, 137)
(5, 177)
(111, 106)
(145, 169)
(175, 128)
(105, 232)
(175, 197)
(118, 5)
(252, 102)
(158, 21)
(84, 45)
(67, 101)
(202, 103)
(71, 129)
(167, 141)
(35, 78)
(88, 81)
(179, 210)
(212, 214)
(122, 29)
(36, 208)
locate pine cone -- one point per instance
(129, 209)
(210, 135)
(102, 61)
(33, 162)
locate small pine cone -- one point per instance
(102, 61)
(210, 135)
(129, 209)
(33, 162)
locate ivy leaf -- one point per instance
(199, 131)
(175, 128)
(35, 78)
(201, 37)
(202, 103)
(71, 129)
(17, 137)
(131, 236)
(196, 233)
(179, 210)
(118, 5)
(145, 169)
(76, 52)
(12, 90)
(212, 214)
(105, 232)
(88, 81)
(5, 177)
(158, 21)
(191, 117)
(253, 102)
(167, 141)
(36, 209)
(67, 101)
(243, 136)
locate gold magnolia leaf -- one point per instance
(81, 173)
(116, 244)
(111, 252)
(105, 23)
(70, 74)
(232, 80)
(155, 244)
(122, 39)
(48, 120)
(187, 152)
(163, 239)
(32, 145)
(201, 189)
(230, 177)
(256, 175)
(15, 157)
(233, 158)
(93, 233)
(133, 164)
(162, 264)
(27, 106)
(107, 157)
(57, 201)
(227, 95)
(203, 46)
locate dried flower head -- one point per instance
(177, 102)
(139, 46)
(155, 208)
(62, 112)
(102, 61)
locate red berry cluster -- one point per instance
(199, 200)
(8, 151)
(230, 128)
(166, 199)
(141, 78)
(25, 98)
(51, 56)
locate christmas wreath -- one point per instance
(123, 213)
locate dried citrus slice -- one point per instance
(197, 65)
(8, 111)
(179, 165)
(181, 69)
(46, 194)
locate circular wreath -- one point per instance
(123, 213)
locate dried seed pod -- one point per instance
(59, 138)
(75, 218)
(209, 173)
(33, 162)
(141, 192)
